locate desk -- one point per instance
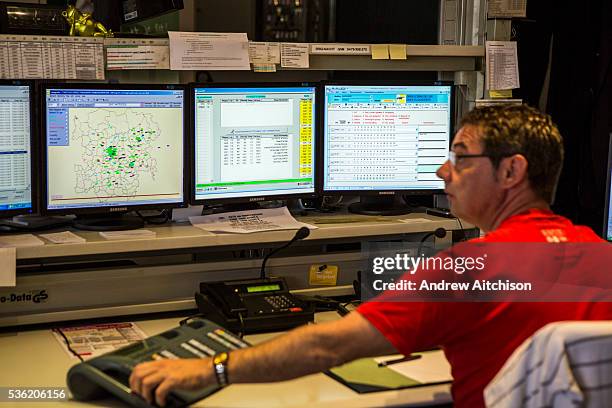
(113, 278)
(35, 359)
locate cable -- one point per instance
(463, 236)
(241, 333)
(61, 333)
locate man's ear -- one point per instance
(513, 170)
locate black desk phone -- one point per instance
(108, 375)
(254, 305)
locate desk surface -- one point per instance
(36, 359)
(183, 236)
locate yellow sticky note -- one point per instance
(380, 51)
(502, 93)
(323, 274)
(397, 51)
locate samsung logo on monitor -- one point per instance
(386, 193)
(117, 209)
(257, 199)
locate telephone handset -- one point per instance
(253, 305)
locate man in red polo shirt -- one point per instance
(501, 176)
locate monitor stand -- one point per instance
(234, 207)
(114, 222)
(380, 205)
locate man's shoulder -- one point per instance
(540, 226)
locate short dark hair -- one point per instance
(520, 129)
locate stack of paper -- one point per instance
(244, 222)
(65, 237)
(130, 234)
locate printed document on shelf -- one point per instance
(126, 53)
(208, 51)
(244, 222)
(502, 65)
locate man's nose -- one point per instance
(444, 171)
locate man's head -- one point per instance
(505, 158)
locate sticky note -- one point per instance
(322, 274)
(397, 51)
(380, 51)
(502, 93)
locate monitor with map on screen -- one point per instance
(16, 129)
(252, 142)
(384, 140)
(112, 149)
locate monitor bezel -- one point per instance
(608, 199)
(252, 198)
(107, 209)
(34, 151)
(382, 192)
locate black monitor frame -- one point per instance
(390, 193)
(34, 152)
(608, 199)
(253, 198)
(107, 210)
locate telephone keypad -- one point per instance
(279, 302)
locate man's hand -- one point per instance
(165, 375)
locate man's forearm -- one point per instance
(306, 350)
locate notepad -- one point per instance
(65, 237)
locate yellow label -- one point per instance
(323, 274)
(380, 51)
(501, 93)
(397, 51)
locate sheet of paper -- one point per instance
(507, 8)
(294, 55)
(502, 65)
(264, 52)
(244, 222)
(397, 51)
(208, 51)
(414, 220)
(8, 271)
(493, 102)
(94, 340)
(380, 51)
(432, 367)
(126, 53)
(340, 49)
(65, 237)
(129, 234)
(51, 57)
(20, 241)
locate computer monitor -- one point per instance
(16, 130)
(608, 205)
(253, 142)
(111, 149)
(384, 140)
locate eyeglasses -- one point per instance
(453, 157)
